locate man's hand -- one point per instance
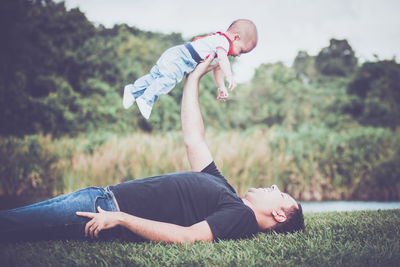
(203, 67)
(99, 221)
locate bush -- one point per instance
(386, 178)
(27, 166)
(318, 163)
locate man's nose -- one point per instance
(274, 187)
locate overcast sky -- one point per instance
(284, 26)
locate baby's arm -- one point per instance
(225, 66)
(219, 80)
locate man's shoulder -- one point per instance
(212, 169)
(233, 220)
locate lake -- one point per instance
(322, 206)
(328, 206)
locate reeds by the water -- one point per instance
(124, 158)
(311, 164)
(245, 160)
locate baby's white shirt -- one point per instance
(209, 44)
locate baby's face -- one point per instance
(241, 47)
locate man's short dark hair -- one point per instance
(294, 221)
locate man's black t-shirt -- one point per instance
(186, 198)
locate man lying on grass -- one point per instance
(177, 207)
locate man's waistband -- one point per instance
(193, 53)
(109, 191)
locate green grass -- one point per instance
(363, 238)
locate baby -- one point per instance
(174, 63)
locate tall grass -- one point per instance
(123, 158)
(310, 164)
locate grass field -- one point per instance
(362, 238)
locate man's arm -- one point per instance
(148, 229)
(167, 232)
(199, 154)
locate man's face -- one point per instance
(269, 198)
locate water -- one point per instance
(323, 206)
(329, 206)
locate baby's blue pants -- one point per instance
(173, 64)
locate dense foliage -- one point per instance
(60, 75)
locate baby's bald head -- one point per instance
(247, 31)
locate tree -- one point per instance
(336, 60)
(304, 65)
(375, 93)
(275, 96)
(39, 40)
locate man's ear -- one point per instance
(236, 37)
(279, 216)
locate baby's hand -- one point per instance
(231, 83)
(222, 93)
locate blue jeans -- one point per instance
(173, 64)
(55, 218)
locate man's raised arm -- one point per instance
(199, 154)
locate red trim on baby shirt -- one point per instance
(230, 42)
(201, 37)
(220, 33)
